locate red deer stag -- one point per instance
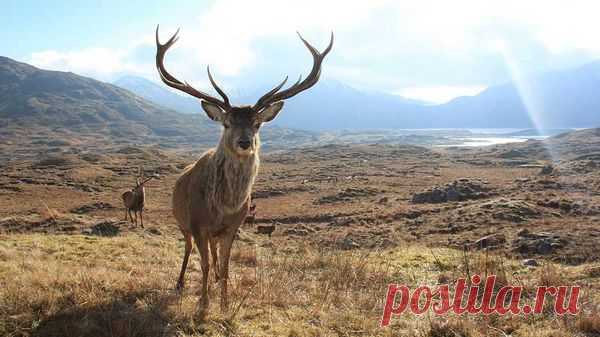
(134, 200)
(212, 196)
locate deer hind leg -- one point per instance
(215, 258)
(142, 217)
(126, 209)
(130, 216)
(226, 244)
(186, 256)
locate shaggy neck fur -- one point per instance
(234, 176)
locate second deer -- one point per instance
(134, 199)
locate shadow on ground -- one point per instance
(135, 314)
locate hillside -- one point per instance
(31, 96)
(40, 106)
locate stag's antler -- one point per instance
(275, 95)
(171, 81)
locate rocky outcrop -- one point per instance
(459, 190)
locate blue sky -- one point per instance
(430, 50)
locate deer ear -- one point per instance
(270, 112)
(213, 111)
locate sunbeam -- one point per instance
(526, 91)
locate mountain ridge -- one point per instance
(559, 99)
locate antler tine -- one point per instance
(272, 91)
(170, 80)
(214, 84)
(146, 180)
(310, 80)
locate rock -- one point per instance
(348, 244)
(530, 263)
(490, 241)
(347, 195)
(154, 231)
(459, 190)
(91, 207)
(106, 228)
(296, 232)
(265, 229)
(547, 170)
(565, 205)
(541, 243)
(453, 195)
(511, 210)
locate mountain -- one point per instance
(559, 99)
(32, 96)
(159, 94)
(328, 105)
(36, 104)
(333, 105)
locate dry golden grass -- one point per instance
(71, 285)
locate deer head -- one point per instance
(241, 123)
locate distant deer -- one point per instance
(134, 199)
(212, 196)
(251, 216)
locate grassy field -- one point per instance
(346, 225)
(73, 285)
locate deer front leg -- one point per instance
(202, 244)
(126, 213)
(142, 217)
(227, 242)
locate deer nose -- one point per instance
(244, 144)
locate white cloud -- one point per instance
(100, 63)
(440, 94)
(379, 43)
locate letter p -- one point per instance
(389, 308)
